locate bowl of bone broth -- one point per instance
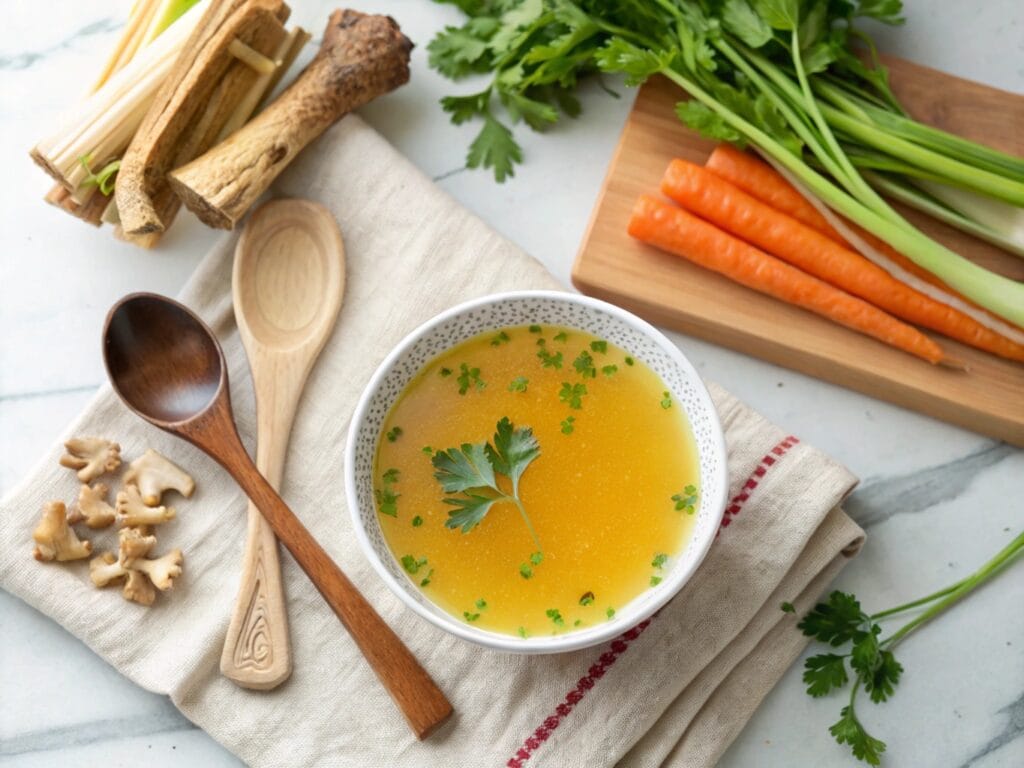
(535, 472)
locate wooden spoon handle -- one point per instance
(415, 693)
(257, 649)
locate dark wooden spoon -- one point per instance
(167, 366)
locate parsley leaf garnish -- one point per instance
(572, 394)
(535, 329)
(470, 472)
(417, 521)
(525, 571)
(393, 434)
(470, 616)
(599, 346)
(501, 338)
(425, 581)
(518, 384)
(445, 372)
(567, 426)
(549, 360)
(629, 360)
(481, 604)
(522, 633)
(584, 365)
(469, 376)
(610, 613)
(655, 581)
(387, 499)
(609, 370)
(411, 564)
(586, 598)
(787, 607)
(561, 336)
(666, 400)
(556, 616)
(686, 500)
(659, 560)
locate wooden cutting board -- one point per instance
(988, 398)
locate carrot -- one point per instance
(674, 230)
(758, 179)
(703, 193)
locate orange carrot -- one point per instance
(674, 230)
(758, 179)
(703, 193)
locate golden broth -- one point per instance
(602, 495)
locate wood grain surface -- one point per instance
(988, 398)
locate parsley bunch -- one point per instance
(842, 622)
(781, 75)
(470, 473)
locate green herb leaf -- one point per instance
(572, 394)
(561, 336)
(537, 558)
(707, 123)
(522, 633)
(411, 564)
(599, 346)
(849, 731)
(666, 400)
(884, 678)
(525, 571)
(470, 510)
(535, 329)
(385, 496)
(836, 622)
(425, 581)
(659, 560)
(513, 451)
(445, 372)
(740, 19)
(584, 365)
(481, 604)
(518, 384)
(427, 450)
(470, 616)
(417, 521)
(501, 338)
(469, 376)
(567, 425)
(787, 607)
(393, 434)
(629, 361)
(459, 51)
(548, 360)
(655, 581)
(556, 616)
(687, 500)
(824, 672)
(390, 476)
(494, 148)
(610, 613)
(587, 598)
(609, 370)
(465, 468)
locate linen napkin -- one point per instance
(673, 691)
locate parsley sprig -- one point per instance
(470, 472)
(842, 622)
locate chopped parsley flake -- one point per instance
(428, 450)
(390, 476)
(556, 616)
(567, 426)
(522, 633)
(411, 564)
(417, 521)
(469, 376)
(686, 500)
(445, 372)
(537, 558)
(629, 360)
(599, 346)
(610, 613)
(577, 622)
(655, 581)
(659, 560)
(572, 394)
(584, 365)
(548, 360)
(525, 571)
(586, 598)
(518, 384)
(610, 370)
(387, 499)
(394, 433)
(470, 616)
(788, 607)
(501, 338)
(481, 604)
(426, 579)
(666, 400)
(561, 336)
(535, 329)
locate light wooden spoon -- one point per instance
(288, 280)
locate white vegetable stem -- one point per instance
(105, 122)
(1003, 218)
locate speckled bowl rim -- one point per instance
(712, 499)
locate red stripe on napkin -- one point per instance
(620, 644)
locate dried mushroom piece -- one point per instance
(132, 510)
(106, 568)
(162, 571)
(91, 456)
(154, 474)
(138, 589)
(55, 539)
(92, 507)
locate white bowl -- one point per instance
(642, 340)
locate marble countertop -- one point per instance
(936, 501)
